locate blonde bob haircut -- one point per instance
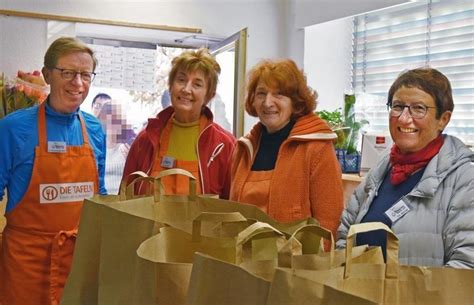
(64, 46)
(281, 75)
(197, 60)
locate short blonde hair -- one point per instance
(283, 75)
(64, 46)
(197, 60)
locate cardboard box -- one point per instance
(373, 148)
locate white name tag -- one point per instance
(397, 211)
(168, 162)
(56, 147)
(65, 192)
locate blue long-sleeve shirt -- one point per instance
(19, 137)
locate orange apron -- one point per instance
(176, 184)
(256, 189)
(39, 238)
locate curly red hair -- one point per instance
(283, 75)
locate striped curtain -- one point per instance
(439, 34)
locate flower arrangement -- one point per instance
(28, 89)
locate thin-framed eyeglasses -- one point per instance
(69, 74)
(417, 111)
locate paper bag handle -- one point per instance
(391, 270)
(257, 229)
(157, 187)
(294, 247)
(213, 217)
(125, 192)
(316, 230)
(179, 171)
(254, 231)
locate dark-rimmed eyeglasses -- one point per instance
(68, 74)
(417, 111)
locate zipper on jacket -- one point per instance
(203, 188)
(216, 152)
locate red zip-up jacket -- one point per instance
(214, 148)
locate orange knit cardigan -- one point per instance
(307, 177)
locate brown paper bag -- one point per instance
(179, 211)
(83, 281)
(126, 227)
(215, 282)
(111, 229)
(243, 282)
(249, 211)
(82, 285)
(312, 257)
(168, 257)
(288, 289)
(390, 283)
(103, 263)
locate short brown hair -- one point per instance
(430, 81)
(284, 75)
(197, 60)
(64, 46)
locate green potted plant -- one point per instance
(335, 120)
(344, 124)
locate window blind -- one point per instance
(423, 33)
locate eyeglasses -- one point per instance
(417, 111)
(67, 74)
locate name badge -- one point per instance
(168, 162)
(56, 147)
(65, 192)
(397, 211)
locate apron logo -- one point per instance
(66, 192)
(50, 193)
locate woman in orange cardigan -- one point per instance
(287, 165)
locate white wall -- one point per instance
(215, 17)
(275, 27)
(303, 13)
(327, 61)
(11, 37)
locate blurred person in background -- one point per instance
(120, 136)
(424, 189)
(184, 135)
(99, 100)
(165, 99)
(218, 106)
(287, 164)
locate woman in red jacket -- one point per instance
(184, 135)
(287, 165)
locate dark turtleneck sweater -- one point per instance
(269, 147)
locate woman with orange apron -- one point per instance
(184, 135)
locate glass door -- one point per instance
(228, 105)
